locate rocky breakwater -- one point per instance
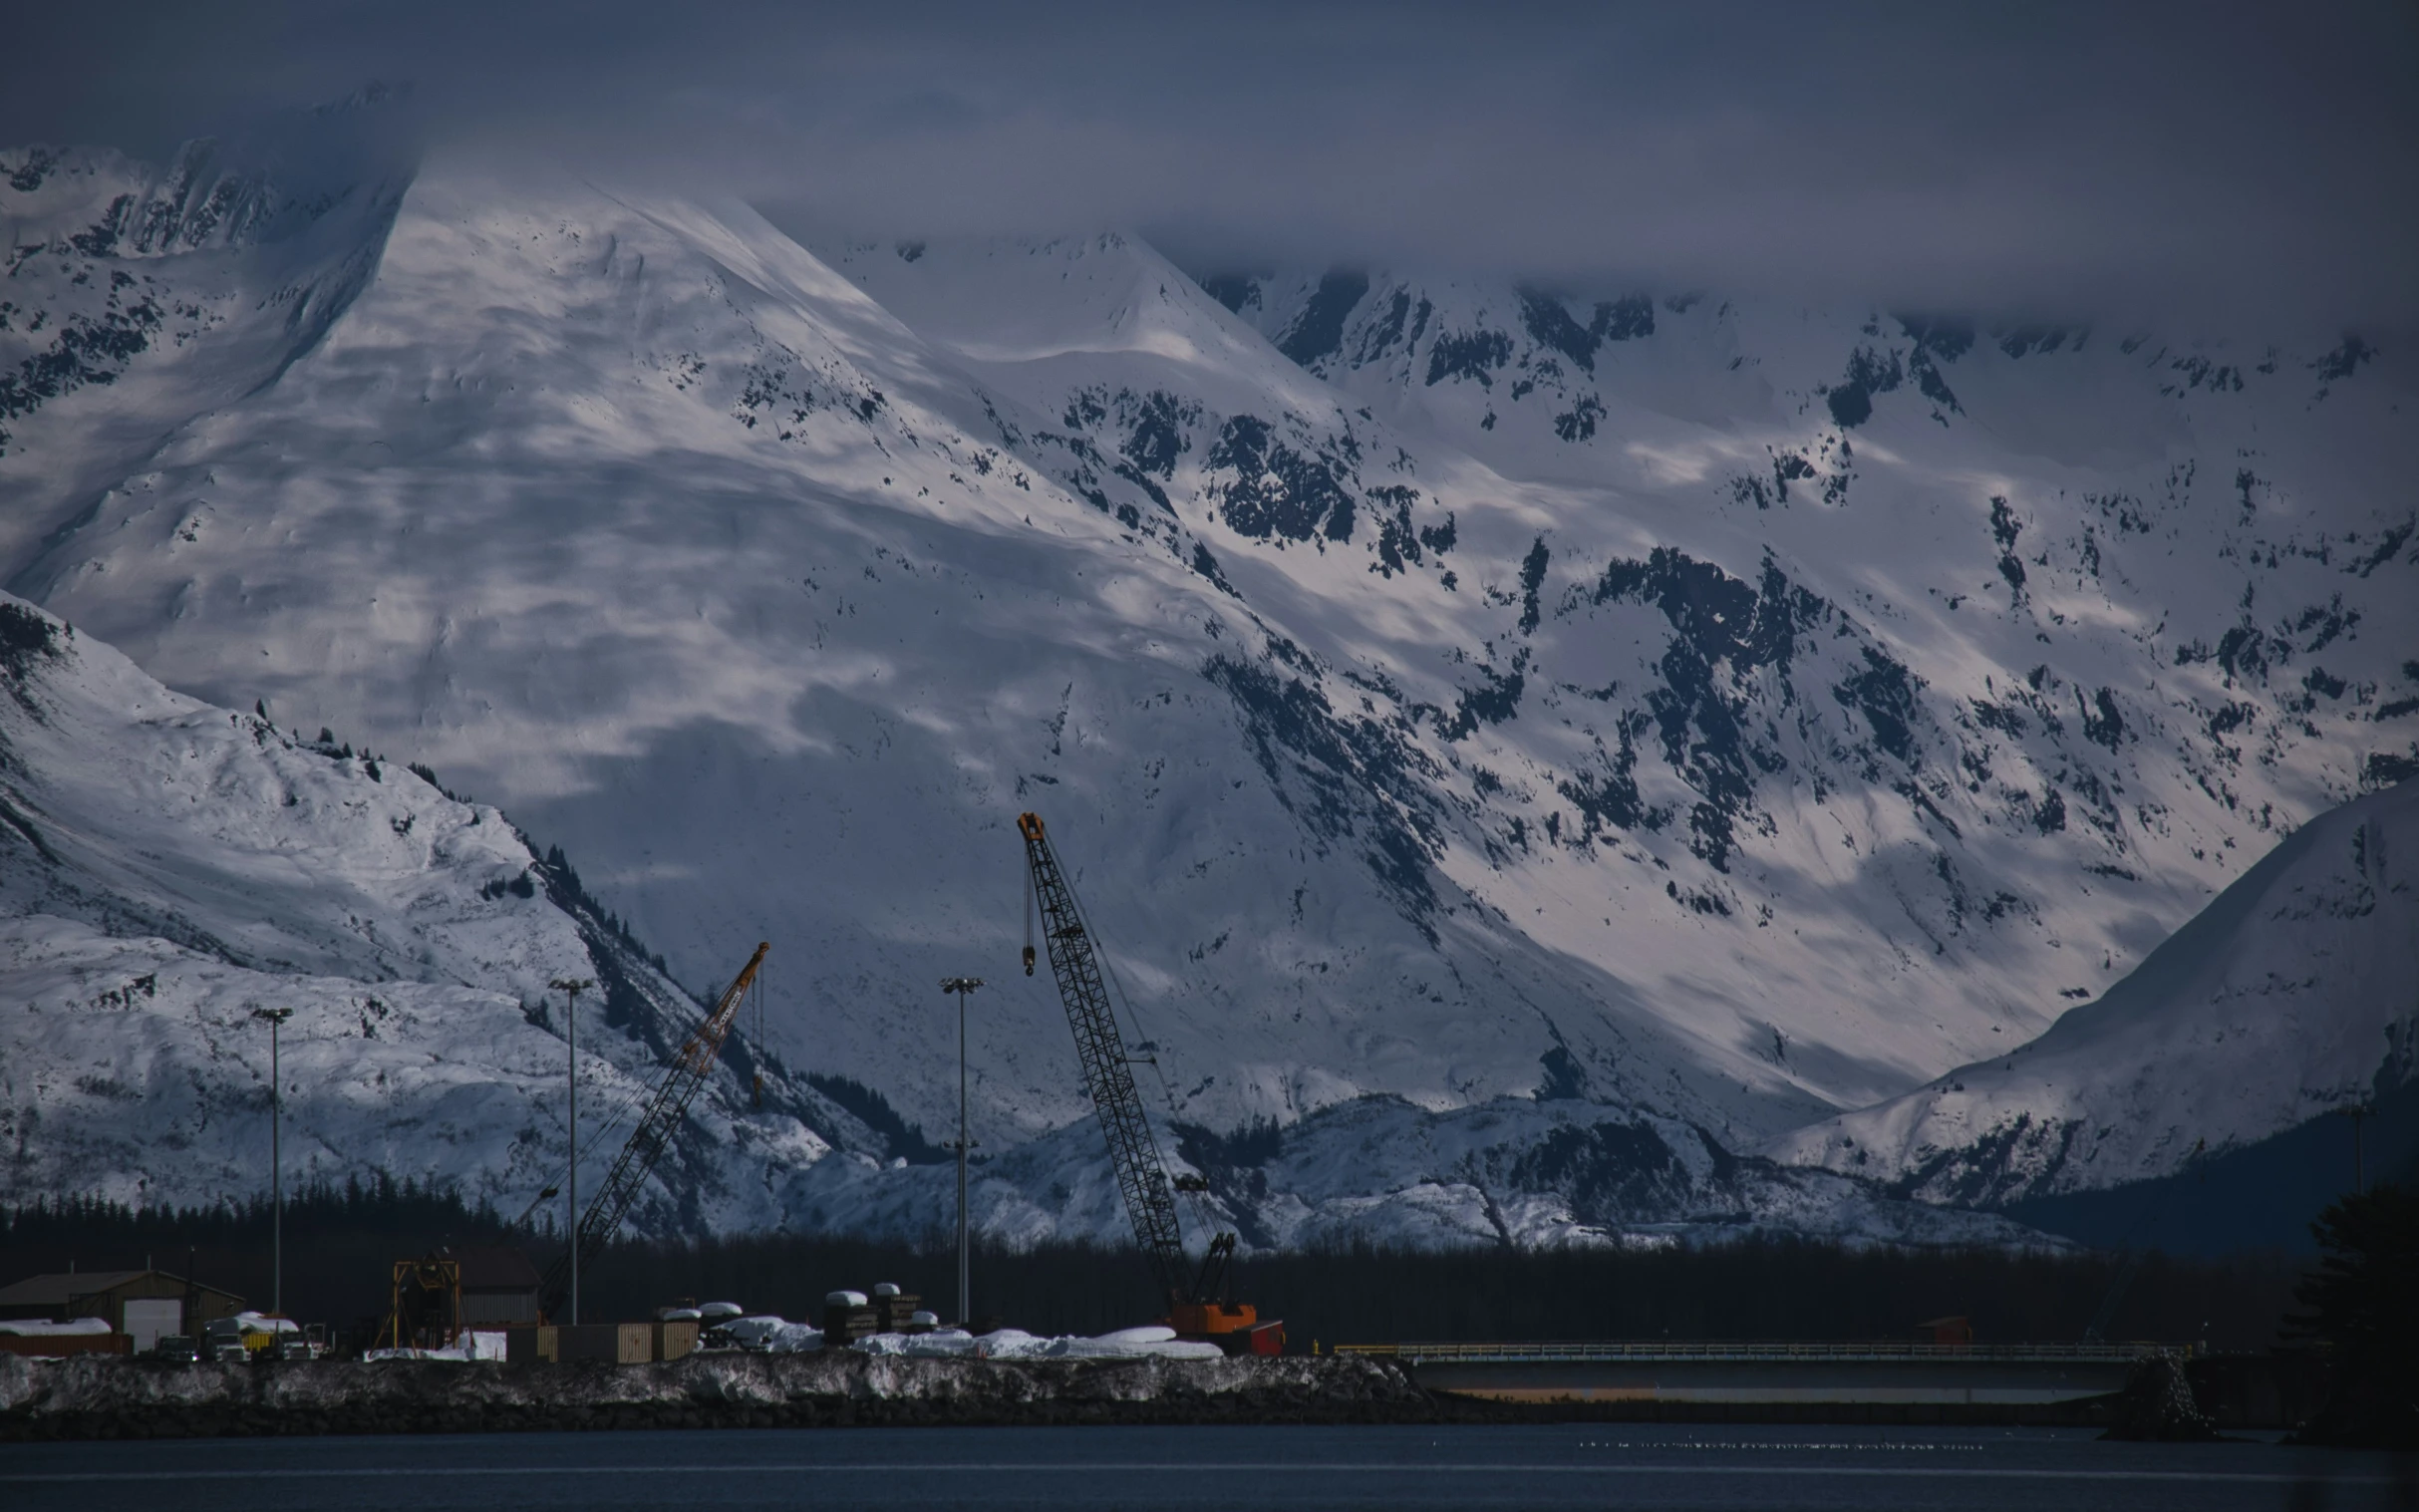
(91, 1397)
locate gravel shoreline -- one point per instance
(91, 1397)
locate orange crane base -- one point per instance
(1235, 1328)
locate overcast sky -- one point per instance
(2245, 163)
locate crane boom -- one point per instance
(1150, 1202)
(665, 1110)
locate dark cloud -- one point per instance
(2243, 162)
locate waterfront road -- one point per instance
(1563, 1465)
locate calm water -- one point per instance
(1971, 1471)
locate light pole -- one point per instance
(277, 1192)
(571, 988)
(962, 986)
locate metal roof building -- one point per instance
(144, 1305)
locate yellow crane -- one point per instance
(663, 1113)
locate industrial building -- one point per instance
(144, 1306)
(498, 1287)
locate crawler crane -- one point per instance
(663, 1113)
(1196, 1296)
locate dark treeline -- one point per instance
(1782, 1289)
(341, 1244)
(1778, 1289)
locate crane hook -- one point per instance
(1031, 834)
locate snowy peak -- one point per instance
(1516, 344)
(98, 203)
(1097, 294)
(135, 298)
(1143, 397)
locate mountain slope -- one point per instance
(2036, 760)
(1667, 704)
(171, 867)
(2290, 997)
(136, 297)
(794, 658)
(166, 868)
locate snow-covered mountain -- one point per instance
(176, 288)
(2294, 995)
(166, 868)
(170, 866)
(1445, 691)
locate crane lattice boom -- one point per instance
(663, 1113)
(1150, 1202)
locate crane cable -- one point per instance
(612, 1126)
(755, 990)
(637, 1094)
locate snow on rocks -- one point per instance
(70, 1398)
(1735, 812)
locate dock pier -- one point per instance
(1876, 1381)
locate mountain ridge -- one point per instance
(2297, 965)
(1751, 753)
